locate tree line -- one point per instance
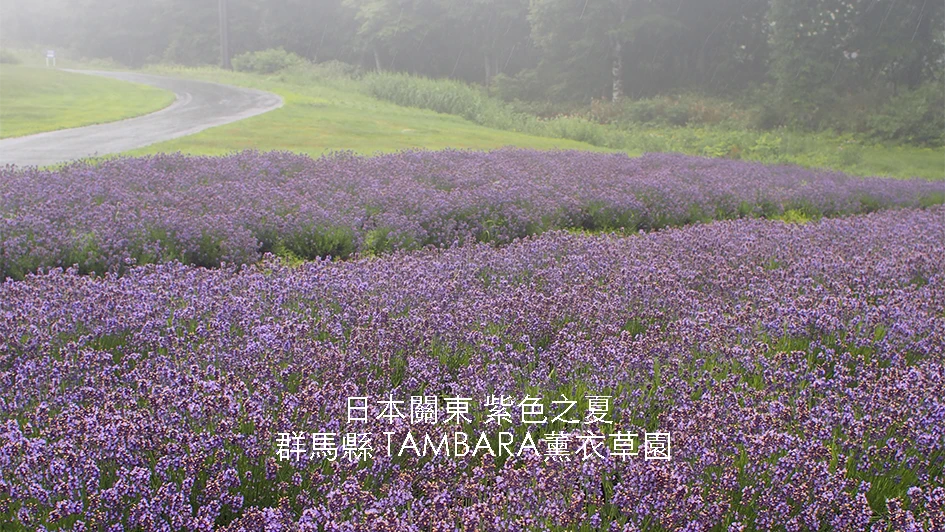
(807, 53)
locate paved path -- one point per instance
(200, 105)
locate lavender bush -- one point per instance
(798, 368)
(202, 210)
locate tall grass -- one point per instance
(474, 104)
(450, 97)
(847, 152)
(441, 95)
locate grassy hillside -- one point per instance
(36, 99)
(318, 118)
(390, 112)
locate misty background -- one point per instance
(811, 63)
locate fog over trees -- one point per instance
(807, 53)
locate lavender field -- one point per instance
(204, 210)
(797, 367)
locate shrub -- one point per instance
(267, 61)
(916, 116)
(336, 70)
(605, 112)
(9, 58)
(526, 85)
(335, 74)
(578, 129)
(552, 109)
(766, 116)
(681, 110)
(855, 109)
(644, 111)
(766, 148)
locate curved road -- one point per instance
(200, 105)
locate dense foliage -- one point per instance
(205, 210)
(917, 116)
(798, 370)
(819, 63)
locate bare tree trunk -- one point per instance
(377, 60)
(458, 57)
(914, 67)
(617, 72)
(701, 62)
(318, 46)
(224, 36)
(488, 65)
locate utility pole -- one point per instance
(224, 37)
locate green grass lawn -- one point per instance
(855, 156)
(38, 99)
(317, 119)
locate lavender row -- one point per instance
(203, 210)
(798, 369)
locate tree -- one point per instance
(806, 52)
(316, 30)
(822, 48)
(594, 35)
(899, 43)
(491, 29)
(388, 28)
